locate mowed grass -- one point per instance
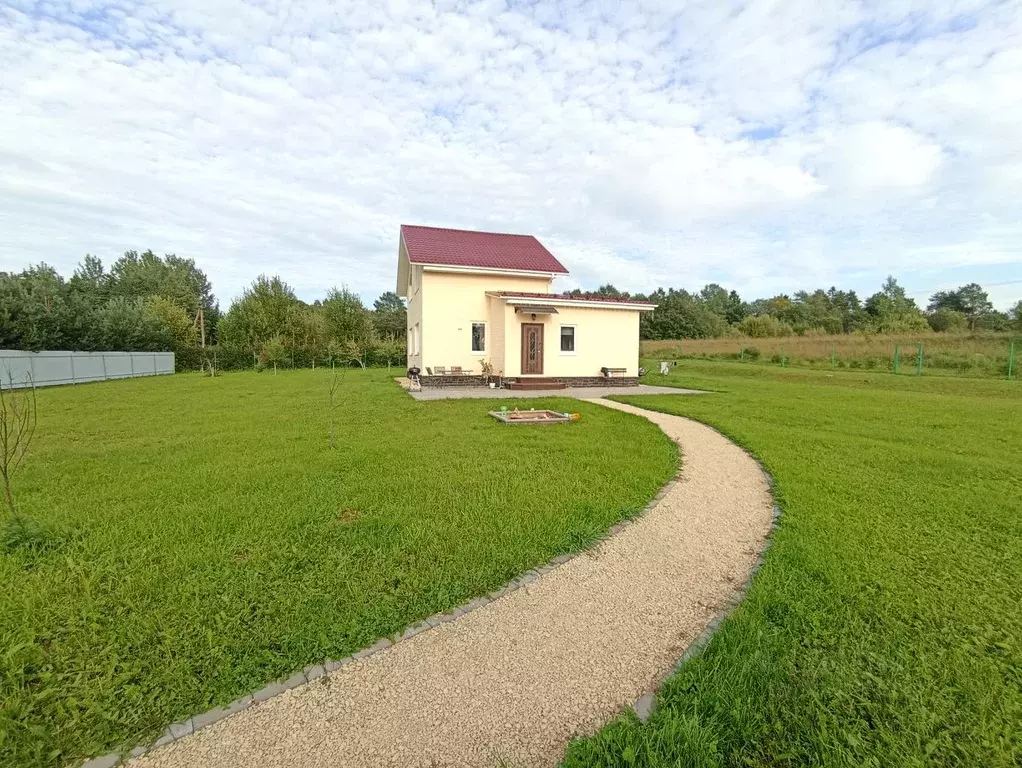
(885, 628)
(981, 354)
(193, 539)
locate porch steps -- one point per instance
(536, 384)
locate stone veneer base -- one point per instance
(568, 381)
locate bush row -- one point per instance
(234, 359)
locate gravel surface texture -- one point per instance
(511, 682)
(582, 393)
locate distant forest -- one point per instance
(145, 302)
(716, 312)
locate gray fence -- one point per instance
(45, 369)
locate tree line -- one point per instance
(276, 328)
(715, 312)
(145, 302)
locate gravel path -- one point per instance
(582, 393)
(512, 682)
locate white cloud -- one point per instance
(765, 145)
(873, 156)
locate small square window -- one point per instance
(478, 337)
(567, 338)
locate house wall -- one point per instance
(495, 337)
(451, 302)
(414, 315)
(603, 337)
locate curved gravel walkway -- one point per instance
(511, 682)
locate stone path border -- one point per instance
(645, 704)
(642, 705)
(312, 672)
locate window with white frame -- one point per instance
(478, 338)
(567, 339)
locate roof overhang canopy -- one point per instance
(527, 303)
(535, 309)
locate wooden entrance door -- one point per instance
(532, 348)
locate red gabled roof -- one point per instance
(569, 297)
(482, 250)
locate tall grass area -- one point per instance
(186, 540)
(884, 626)
(974, 355)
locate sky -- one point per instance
(768, 146)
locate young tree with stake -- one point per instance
(335, 386)
(17, 428)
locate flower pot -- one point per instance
(493, 385)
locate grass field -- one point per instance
(885, 628)
(195, 538)
(947, 354)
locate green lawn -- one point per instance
(885, 628)
(194, 538)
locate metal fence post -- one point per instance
(832, 357)
(131, 359)
(155, 369)
(1011, 359)
(897, 359)
(103, 356)
(71, 357)
(919, 361)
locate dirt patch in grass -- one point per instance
(347, 516)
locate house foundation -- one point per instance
(547, 382)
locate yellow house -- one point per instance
(481, 303)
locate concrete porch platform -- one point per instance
(583, 393)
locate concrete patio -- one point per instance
(583, 393)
